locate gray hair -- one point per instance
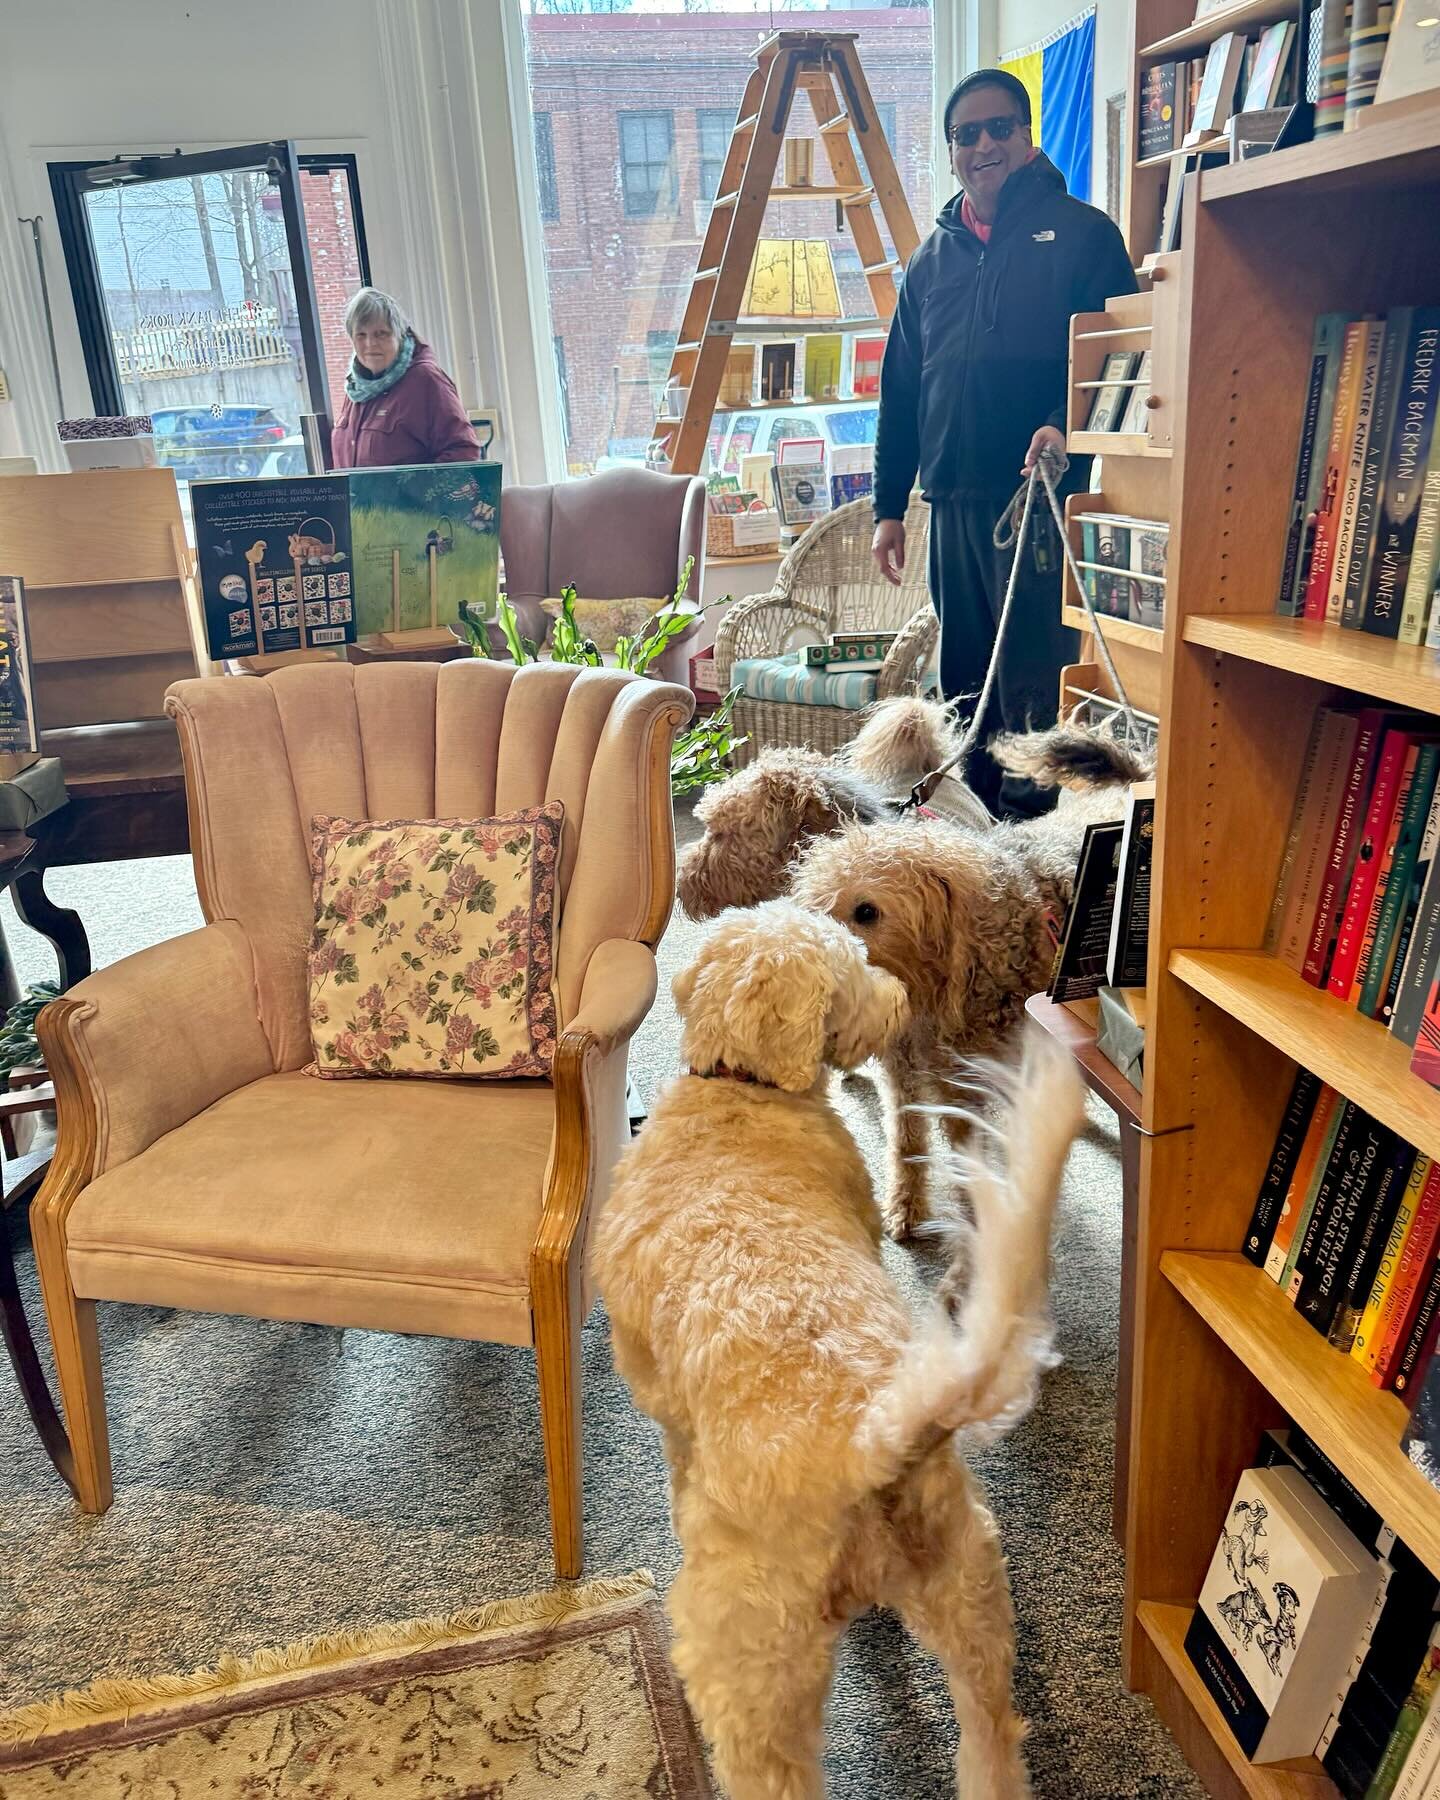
(370, 305)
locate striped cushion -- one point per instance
(787, 678)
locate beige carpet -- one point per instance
(565, 1692)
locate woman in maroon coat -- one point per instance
(400, 406)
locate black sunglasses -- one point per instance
(1001, 130)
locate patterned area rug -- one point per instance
(552, 1695)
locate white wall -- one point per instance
(1020, 23)
(93, 78)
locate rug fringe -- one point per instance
(123, 1694)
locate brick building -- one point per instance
(334, 265)
(633, 113)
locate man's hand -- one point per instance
(1047, 438)
(888, 548)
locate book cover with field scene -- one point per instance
(424, 539)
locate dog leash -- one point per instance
(1012, 527)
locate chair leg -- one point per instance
(557, 1356)
(76, 1343)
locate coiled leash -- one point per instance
(1012, 527)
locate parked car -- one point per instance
(198, 442)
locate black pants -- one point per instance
(968, 576)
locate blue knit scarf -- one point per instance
(360, 387)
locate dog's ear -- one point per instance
(683, 987)
(867, 1010)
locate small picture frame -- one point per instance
(1108, 405)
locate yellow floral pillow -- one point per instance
(603, 621)
(433, 948)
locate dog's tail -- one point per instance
(902, 740)
(1072, 756)
(982, 1372)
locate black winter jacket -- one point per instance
(977, 359)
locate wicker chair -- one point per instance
(829, 583)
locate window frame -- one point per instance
(547, 187)
(667, 191)
(706, 116)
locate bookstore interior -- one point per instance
(910, 747)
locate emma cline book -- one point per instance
(1289, 1589)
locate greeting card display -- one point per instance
(275, 564)
(424, 538)
(19, 730)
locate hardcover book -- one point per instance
(1328, 759)
(1310, 457)
(1079, 971)
(1383, 417)
(1130, 916)
(1353, 468)
(1217, 87)
(1404, 1293)
(1108, 405)
(1314, 1154)
(1279, 1612)
(19, 727)
(1421, 1442)
(425, 538)
(1159, 110)
(274, 563)
(1327, 498)
(1406, 464)
(1290, 1138)
(1365, 1346)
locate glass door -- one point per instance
(193, 285)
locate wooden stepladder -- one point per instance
(825, 66)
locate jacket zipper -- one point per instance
(970, 338)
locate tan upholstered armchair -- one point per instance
(829, 583)
(198, 1167)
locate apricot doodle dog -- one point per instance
(759, 820)
(809, 1421)
(965, 919)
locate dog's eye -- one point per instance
(866, 913)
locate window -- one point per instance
(545, 168)
(713, 126)
(647, 163)
(652, 89)
(562, 376)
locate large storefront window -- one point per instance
(638, 103)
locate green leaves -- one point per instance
(477, 632)
(521, 649)
(637, 654)
(701, 754)
(19, 1047)
(483, 898)
(567, 644)
(347, 969)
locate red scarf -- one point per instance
(972, 221)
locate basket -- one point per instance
(333, 554)
(720, 535)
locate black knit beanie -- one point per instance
(998, 78)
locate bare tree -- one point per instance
(207, 242)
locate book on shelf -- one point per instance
(1417, 820)
(1108, 406)
(1418, 1350)
(1135, 417)
(1334, 66)
(19, 726)
(1130, 917)
(1369, 32)
(1397, 1298)
(1294, 1123)
(1421, 1442)
(1347, 825)
(1267, 72)
(1279, 1613)
(1405, 474)
(1327, 500)
(1412, 53)
(1325, 362)
(1161, 109)
(1385, 799)
(1216, 98)
(1328, 758)
(1079, 967)
(1415, 1710)
(1309, 1167)
(1352, 468)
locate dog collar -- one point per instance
(723, 1072)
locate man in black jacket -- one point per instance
(973, 389)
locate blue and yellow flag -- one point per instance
(1059, 76)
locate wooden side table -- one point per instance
(1123, 1098)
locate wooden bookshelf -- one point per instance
(1248, 17)
(1379, 668)
(1218, 1354)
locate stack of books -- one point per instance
(1353, 39)
(1316, 1631)
(1346, 1223)
(851, 650)
(1357, 904)
(1362, 547)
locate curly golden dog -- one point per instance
(758, 820)
(965, 919)
(809, 1421)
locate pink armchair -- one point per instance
(198, 1167)
(622, 534)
